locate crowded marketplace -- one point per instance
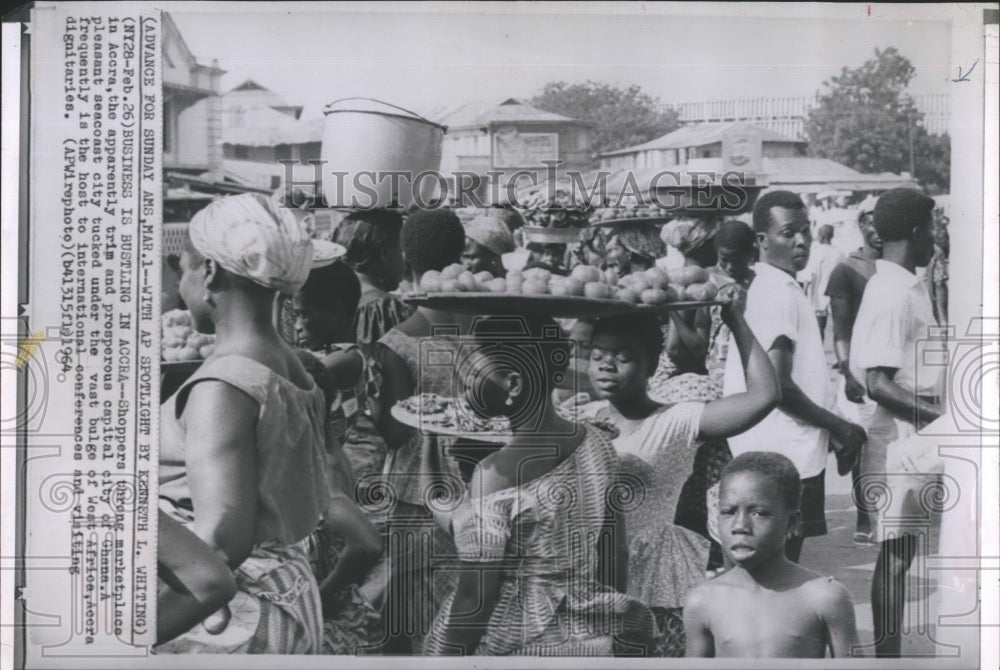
(445, 431)
(614, 409)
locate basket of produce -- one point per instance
(615, 216)
(180, 342)
(587, 292)
(554, 217)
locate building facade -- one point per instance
(508, 137)
(788, 115)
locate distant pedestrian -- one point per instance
(823, 258)
(845, 289)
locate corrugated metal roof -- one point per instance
(700, 135)
(265, 127)
(804, 169)
(483, 113)
(251, 95)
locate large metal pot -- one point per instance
(366, 139)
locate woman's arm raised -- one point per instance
(736, 413)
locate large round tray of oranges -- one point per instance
(586, 292)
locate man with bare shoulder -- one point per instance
(766, 606)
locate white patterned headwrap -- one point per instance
(252, 236)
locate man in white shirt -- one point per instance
(784, 322)
(894, 317)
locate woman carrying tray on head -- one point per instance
(537, 517)
(656, 445)
(487, 239)
(431, 240)
(634, 247)
(241, 444)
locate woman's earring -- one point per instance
(208, 299)
(510, 401)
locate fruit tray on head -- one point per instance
(558, 306)
(588, 292)
(441, 415)
(544, 235)
(650, 220)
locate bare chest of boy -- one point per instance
(767, 624)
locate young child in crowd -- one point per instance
(371, 240)
(324, 311)
(487, 239)
(766, 606)
(549, 257)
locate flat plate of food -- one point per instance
(558, 306)
(443, 415)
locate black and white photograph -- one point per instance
(418, 333)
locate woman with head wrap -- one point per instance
(242, 444)
(487, 239)
(591, 249)
(634, 247)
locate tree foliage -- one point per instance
(865, 119)
(621, 116)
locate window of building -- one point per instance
(283, 152)
(240, 151)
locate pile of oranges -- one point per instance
(651, 287)
(180, 341)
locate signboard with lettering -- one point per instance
(742, 150)
(514, 149)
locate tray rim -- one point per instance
(652, 220)
(406, 418)
(621, 307)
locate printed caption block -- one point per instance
(94, 292)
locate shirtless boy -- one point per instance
(766, 606)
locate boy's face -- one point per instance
(786, 243)
(477, 258)
(618, 257)
(735, 262)
(753, 519)
(552, 255)
(314, 328)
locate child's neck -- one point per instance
(770, 573)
